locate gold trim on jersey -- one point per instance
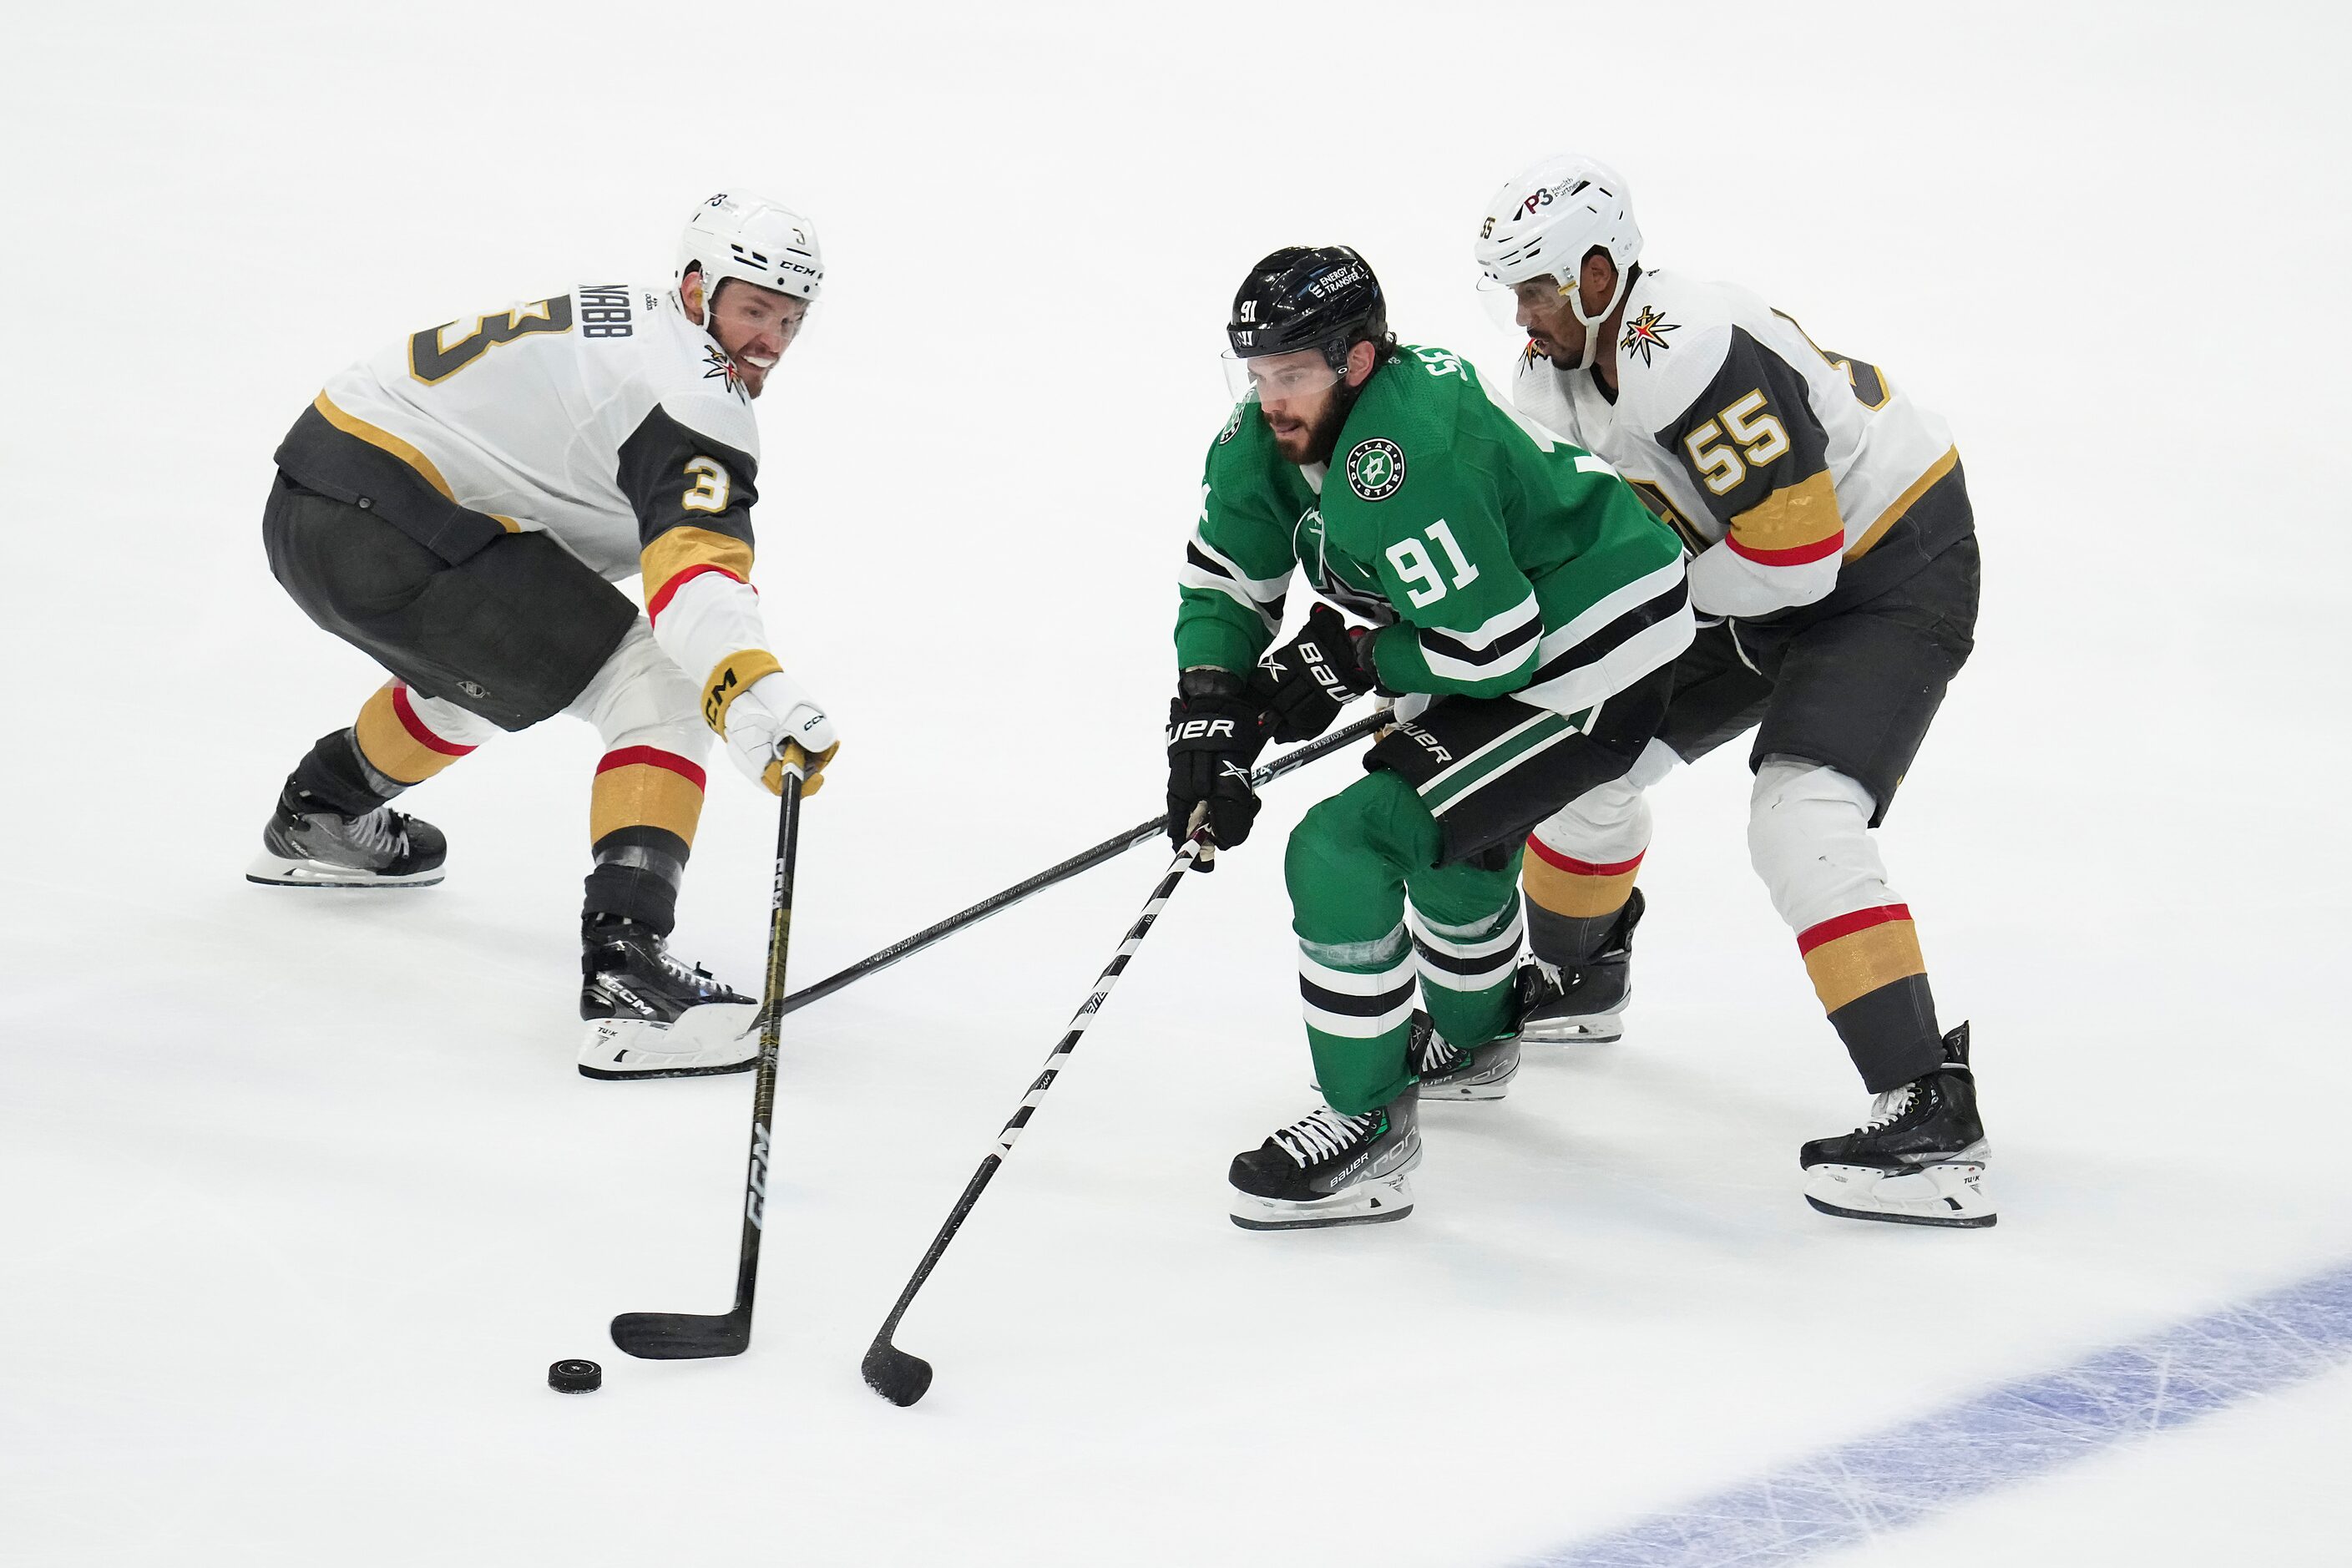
(1791, 517)
(733, 676)
(1903, 503)
(385, 441)
(678, 550)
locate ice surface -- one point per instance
(2017, 1432)
(300, 1194)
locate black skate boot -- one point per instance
(650, 1015)
(308, 844)
(1449, 1073)
(1327, 1169)
(1920, 1158)
(1582, 1004)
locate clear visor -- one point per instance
(765, 318)
(1277, 378)
(1501, 301)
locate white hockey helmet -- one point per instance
(754, 239)
(1547, 219)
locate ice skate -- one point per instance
(307, 844)
(1328, 1169)
(1920, 1158)
(1449, 1073)
(1585, 1003)
(652, 1016)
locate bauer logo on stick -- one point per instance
(1375, 468)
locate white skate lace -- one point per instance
(380, 832)
(1434, 1053)
(1325, 1133)
(692, 974)
(1887, 1108)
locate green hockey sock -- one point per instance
(1350, 863)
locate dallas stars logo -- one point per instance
(1645, 332)
(1375, 468)
(722, 369)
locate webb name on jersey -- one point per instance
(603, 418)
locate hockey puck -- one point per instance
(575, 1377)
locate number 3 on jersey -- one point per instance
(1422, 583)
(431, 358)
(711, 486)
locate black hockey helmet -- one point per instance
(1301, 298)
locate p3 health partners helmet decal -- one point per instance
(1375, 468)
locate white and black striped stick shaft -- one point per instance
(1085, 860)
(687, 1336)
(892, 1373)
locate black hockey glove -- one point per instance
(1215, 730)
(1309, 679)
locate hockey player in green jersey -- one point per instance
(1524, 609)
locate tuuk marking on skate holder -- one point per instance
(2017, 1432)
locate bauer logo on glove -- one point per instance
(1305, 682)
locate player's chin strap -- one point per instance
(710, 322)
(1591, 324)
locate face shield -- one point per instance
(1279, 378)
(1501, 301)
(749, 311)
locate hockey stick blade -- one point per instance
(682, 1336)
(890, 1372)
(897, 1376)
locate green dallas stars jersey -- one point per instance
(1519, 564)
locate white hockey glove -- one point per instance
(771, 714)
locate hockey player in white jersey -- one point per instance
(459, 505)
(1834, 568)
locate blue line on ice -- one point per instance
(1847, 1495)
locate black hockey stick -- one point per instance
(1084, 860)
(687, 1336)
(890, 1372)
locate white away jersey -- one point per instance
(1775, 459)
(602, 417)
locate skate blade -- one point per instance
(1950, 1193)
(1600, 1029)
(298, 871)
(717, 1038)
(1491, 1088)
(1375, 1202)
(1492, 1084)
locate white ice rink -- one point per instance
(300, 1193)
